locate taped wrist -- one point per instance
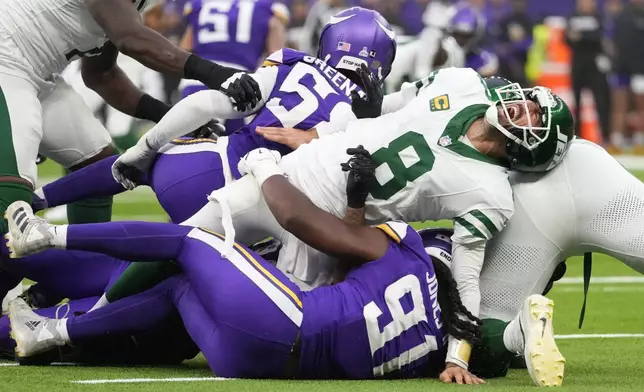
(151, 109)
(458, 352)
(209, 73)
(265, 171)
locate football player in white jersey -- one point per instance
(458, 46)
(38, 39)
(444, 155)
(589, 203)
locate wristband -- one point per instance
(209, 73)
(151, 109)
(458, 352)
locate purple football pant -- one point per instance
(241, 311)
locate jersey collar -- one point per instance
(458, 126)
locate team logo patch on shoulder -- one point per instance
(445, 141)
(439, 103)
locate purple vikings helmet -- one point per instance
(438, 244)
(358, 36)
(467, 26)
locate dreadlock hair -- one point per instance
(458, 321)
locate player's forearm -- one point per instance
(276, 39)
(123, 26)
(118, 91)
(319, 229)
(466, 268)
(189, 114)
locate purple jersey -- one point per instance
(383, 320)
(305, 93)
(232, 32)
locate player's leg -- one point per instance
(20, 135)
(73, 137)
(67, 274)
(637, 86)
(35, 334)
(619, 84)
(185, 172)
(251, 219)
(92, 181)
(8, 345)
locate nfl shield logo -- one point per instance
(364, 52)
(445, 141)
(344, 46)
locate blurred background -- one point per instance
(590, 52)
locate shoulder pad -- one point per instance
(396, 230)
(285, 56)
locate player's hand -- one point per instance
(262, 163)
(244, 92)
(362, 170)
(129, 167)
(211, 130)
(459, 375)
(369, 106)
(290, 137)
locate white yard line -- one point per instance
(141, 380)
(601, 336)
(603, 279)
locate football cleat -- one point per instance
(543, 359)
(32, 333)
(27, 233)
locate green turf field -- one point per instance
(609, 363)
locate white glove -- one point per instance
(262, 163)
(136, 160)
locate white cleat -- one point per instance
(28, 233)
(33, 334)
(542, 357)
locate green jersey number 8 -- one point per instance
(402, 174)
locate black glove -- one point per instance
(371, 105)
(211, 130)
(362, 170)
(244, 92)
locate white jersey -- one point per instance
(52, 33)
(428, 170)
(587, 203)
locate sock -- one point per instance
(9, 193)
(513, 338)
(61, 327)
(60, 235)
(139, 277)
(94, 210)
(491, 358)
(100, 303)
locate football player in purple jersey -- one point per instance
(236, 33)
(390, 317)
